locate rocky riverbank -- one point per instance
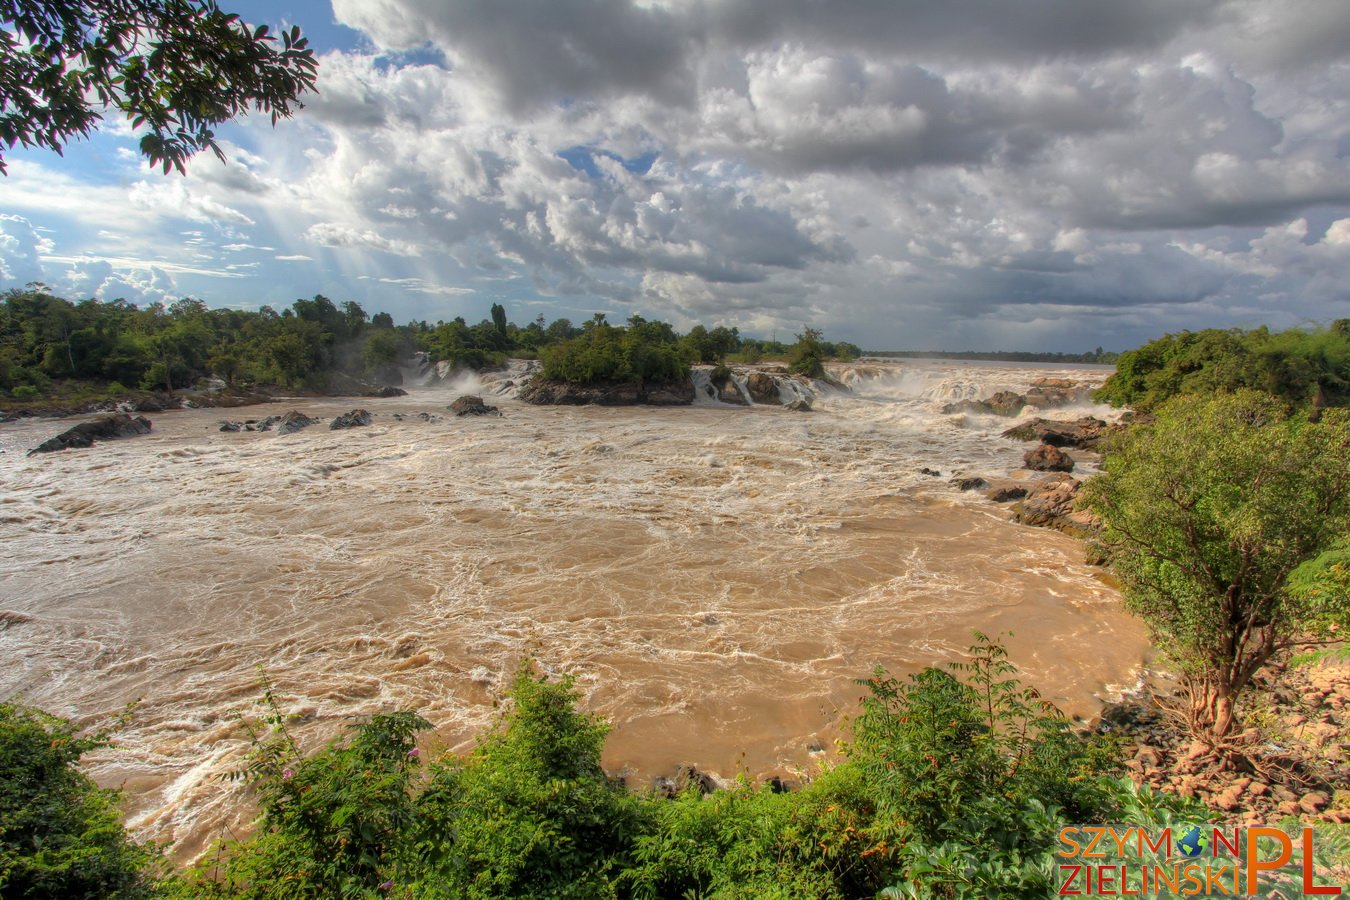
(1297, 743)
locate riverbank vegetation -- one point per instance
(55, 351)
(954, 785)
(1226, 520)
(1303, 367)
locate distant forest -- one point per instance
(1100, 356)
(52, 348)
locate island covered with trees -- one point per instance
(59, 353)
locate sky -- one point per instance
(903, 174)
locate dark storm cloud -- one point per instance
(543, 51)
(1030, 170)
(971, 29)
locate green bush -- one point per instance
(807, 356)
(25, 392)
(530, 813)
(972, 777)
(955, 786)
(61, 836)
(752, 842)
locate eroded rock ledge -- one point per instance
(543, 392)
(101, 429)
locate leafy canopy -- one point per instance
(61, 836)
(1208, 512)
(1302, 367)
(174, 68)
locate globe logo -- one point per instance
(1194, 842)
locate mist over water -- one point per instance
(715, 576)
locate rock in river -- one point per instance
(471, 405)
(100, 429)
(1048, 458)
(353, 419)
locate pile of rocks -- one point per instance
(287, 423)
(1300, 759)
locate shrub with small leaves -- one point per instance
(61, 836)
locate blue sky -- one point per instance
(975, 174)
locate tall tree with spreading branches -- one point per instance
(1208, 512)
(175, 68)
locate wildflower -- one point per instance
(286, 773)
(386, 885)
(414, 753)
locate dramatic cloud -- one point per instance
(1050, 173)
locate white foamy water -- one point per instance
(715, 576)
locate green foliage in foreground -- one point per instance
(60, 835)
(954, 787)
(1302, 367)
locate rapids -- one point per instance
(716, 577)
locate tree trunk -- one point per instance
(1211, 716)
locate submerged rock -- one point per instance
(471, 405)
(354, 419)
(686, 777)
(1007, 494)
(969, 484)
(101, 429)
(801, 404)
(389, 390)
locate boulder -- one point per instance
(686, 778)
(1003, 403)
(1050, 504)
(154, 403)
(728, 391)
(470, 405)
(1046, 392)
(389, 390)
(85, 434)
(1084, 433)
(1007, 494)
(1048, 458)
(354, 419)
(800, 405)
(969, 484)
(289, 423)
(763, 387)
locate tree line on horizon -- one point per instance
(1098, 356)
(48, 344)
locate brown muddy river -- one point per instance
(716, 577)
